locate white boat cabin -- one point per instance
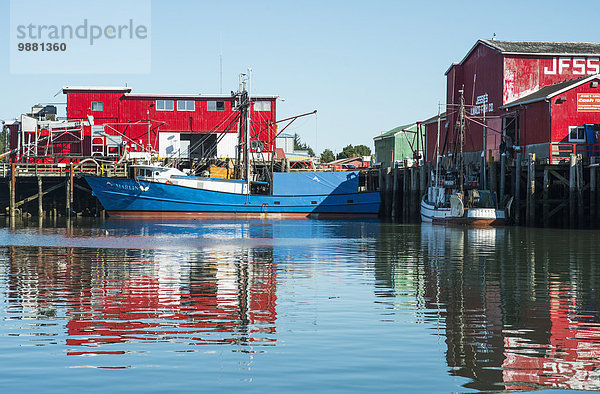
(173, 176)
(154, 173)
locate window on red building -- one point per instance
(576, 134)
(262, 106)
(97, 106)
(215, 105)
(185, 105)
(164, 105)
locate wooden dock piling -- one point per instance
(502, 177)
(40, 197)
(414, 189)
(395, 192)
(545, 197)
(67, 198)
(388, 191)
(593, 188)
(493, 178)
(12, 192)
(405, 193)
(572, 189)
(517, 184)
(531, 190)
(580, 183)
(423, 180)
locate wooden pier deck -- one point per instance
(58, 189)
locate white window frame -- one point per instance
(186, 105)
(208, 105)
(578, 140)
(94, 106)
(161, 105)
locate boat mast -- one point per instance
(248, 123)
(461, 137)
(437, 150)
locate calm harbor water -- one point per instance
(296, 306)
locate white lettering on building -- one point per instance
(481, 105)
(574, 66)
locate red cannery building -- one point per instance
(501, 83)
(103, 121)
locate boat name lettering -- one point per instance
(132, 188)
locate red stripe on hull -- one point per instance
(233, 215)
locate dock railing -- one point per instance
(561, 152)
(89, 166)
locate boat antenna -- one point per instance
(461, 138)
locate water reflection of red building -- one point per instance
(117, 296)
(520, 311)
(571, 360)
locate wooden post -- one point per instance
(423, 180)
(518, 189)
(405, 192)
(502, 178)
(54, 210)
(580, 184)
(380, 184)
(414, 177)
(13, 186)
(593, 188)
(40, 197)
(531, 190)
(395, 191)
(67, 199)
(545, 196)
(572, 189)
(71, 185)
(493, 179)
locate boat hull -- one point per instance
(138, 199)
(471, 216)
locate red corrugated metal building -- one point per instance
(191, 117)
(105, 120)
(431, 127)
(496, 75)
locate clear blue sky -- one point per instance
(365, 66)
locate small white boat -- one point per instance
(445, 206)
(449, 201)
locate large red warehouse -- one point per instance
(103, 121)
(496, 75)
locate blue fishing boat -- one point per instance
(153, 191)
(158, 192)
